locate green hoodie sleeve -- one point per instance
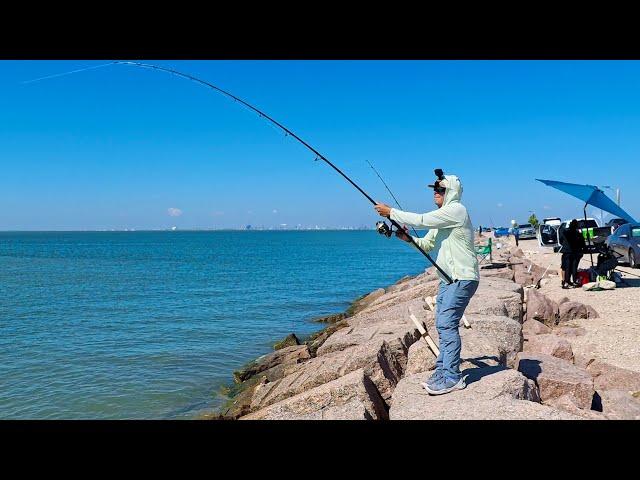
(427, 242)
(450, 233)
(449, 216)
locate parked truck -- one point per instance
(548, 232)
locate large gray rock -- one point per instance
(398, 330)
(522, 277)
(549, 344)
(382, 362)
(534, 327)
(315, 341)
(478, 350)
(362, 303)
(504, 273)
(556, 377)
(384, 313)
(293, 354)
(499, 283)
(407, 282)
(395, 312)
(583, 360)
(505, 332)
(572, 310)
(289, 341)
(491, 301)
(527, 272)
(420, 358)
(492, 393)
(352, 397)
(419, 291)
(567, 403)
(610, 377)
(541, 308)
(620, 405)
(565, 331)
(591, 312)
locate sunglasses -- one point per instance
(439, 191)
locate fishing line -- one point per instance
(68, 73)
(262, 114)
(389, 190)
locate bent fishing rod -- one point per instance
(274, 122)
(383, 228)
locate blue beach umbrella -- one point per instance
(590, 195)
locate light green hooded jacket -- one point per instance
(450, 233)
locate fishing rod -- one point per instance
(276, 123)
(391, 193)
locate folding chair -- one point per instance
(483, 252)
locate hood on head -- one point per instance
(454, 189)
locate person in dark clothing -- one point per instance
(565, 248)
(572, 246)
(578, 249)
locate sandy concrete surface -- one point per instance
(615, 336)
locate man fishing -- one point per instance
(451, 236)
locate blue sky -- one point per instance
(122, 147)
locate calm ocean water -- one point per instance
(123, 325)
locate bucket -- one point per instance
(583, 277)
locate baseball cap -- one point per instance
(437, 187)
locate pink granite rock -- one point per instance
(565, 331)
(620, 405)
(534, 327)
(556, 377)
(549, 344)
(351, 397)
(492, 393)
(541, 308)
(610, 377)
(571, 310)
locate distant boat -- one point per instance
(173, 228)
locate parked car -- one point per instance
(527, 231)
(625, 241)
(501, 232)
(614, 223)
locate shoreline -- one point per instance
(524, 354)
(335, 321)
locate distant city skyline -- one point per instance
(256, 228)
(125, 148)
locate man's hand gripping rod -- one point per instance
(400, 228)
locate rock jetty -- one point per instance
(368, 363)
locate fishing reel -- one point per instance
(384, 229)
